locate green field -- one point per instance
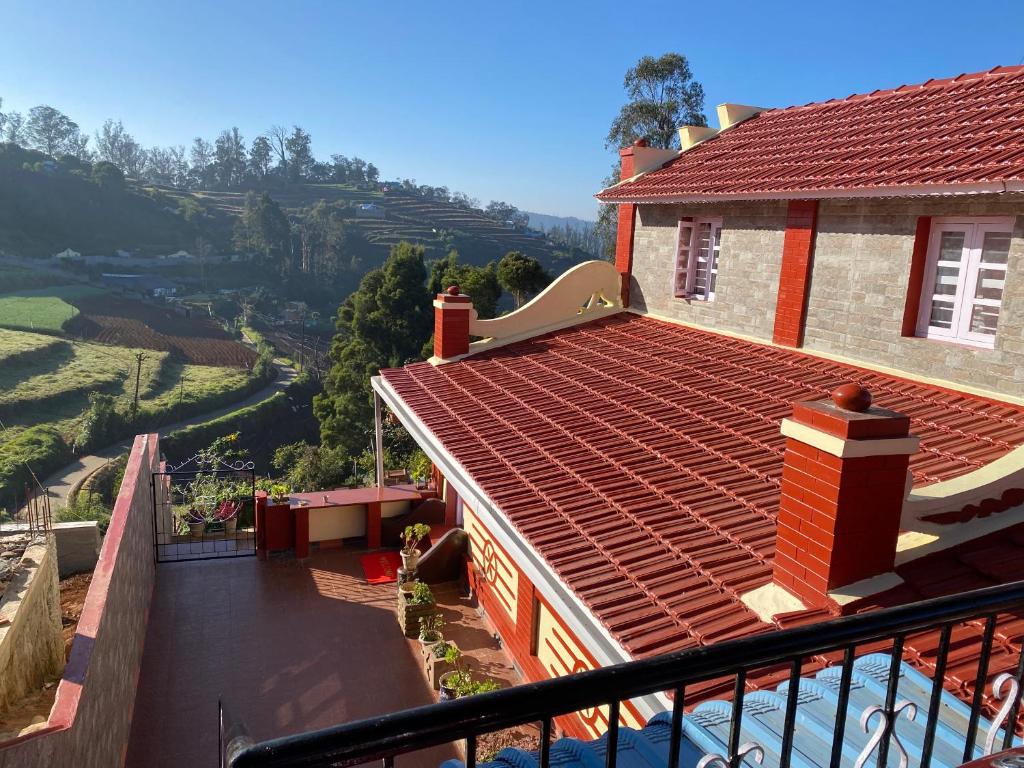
(42, 309)
(45, 384)
(16, 344)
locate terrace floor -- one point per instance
(291, 646)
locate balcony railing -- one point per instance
(389, 736)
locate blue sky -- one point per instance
(499, 100)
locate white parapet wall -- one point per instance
(586, 292)
(31, 645)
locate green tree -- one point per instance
(115, 145)
(264, 227)
(384, 324)
(259, 157)
(479, 283)
(51, 131)
(14, 128)
(300, 154)
(229, 158)
(662, 96)
(308, 467)
(521, 275)
(107, 174)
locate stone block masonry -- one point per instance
(859, 286)
(748, 266)
(31, 646)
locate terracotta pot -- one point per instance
(230, 525)
(196, 530)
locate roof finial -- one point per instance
(851, 397)
(453, 290)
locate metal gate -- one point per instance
(204, 508)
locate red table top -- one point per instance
(351, 496)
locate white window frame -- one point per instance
(974, 229)
(684, 275)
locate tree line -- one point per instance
(281, 154)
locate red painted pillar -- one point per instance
(795, 273)
(844, 479)
(373, 525)
(301, 532)
(261, 525)
(626, 224)
(915, 283)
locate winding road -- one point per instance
(60, 483)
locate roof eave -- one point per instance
(921, 190)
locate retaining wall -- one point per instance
(31, 646)
(90, 722)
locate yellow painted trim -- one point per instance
(850, 449)
(447, 305)
(987, 482)
(771, 599)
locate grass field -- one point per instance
(17, 344)
(45, 384)
(42, 309)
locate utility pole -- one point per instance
(302, 339)
(181, 389)
(139, 357)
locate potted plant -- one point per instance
(411, 538)
(227, 515)
(195, 519)
(450, 682)
(459, 683)
(430, 631)
(415, 602)
(279, 493)
(435, 662)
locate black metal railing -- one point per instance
(388, 736)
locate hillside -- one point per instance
(435, 224)
(47, 206)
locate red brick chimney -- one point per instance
(451, 324)
(627, 220)
(844, 479)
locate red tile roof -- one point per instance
(642, 459)
(961, 133)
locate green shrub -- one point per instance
(85, 507)
(41, 447)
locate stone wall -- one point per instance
(859, 282)
(31, 646)
(91, 719)
(859, 291)
(748, 266)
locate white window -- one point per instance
(697, 258)
(964, 278)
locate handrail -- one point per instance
(435, 724)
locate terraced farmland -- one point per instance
(43, 309)
(125, 321)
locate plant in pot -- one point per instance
(411, 538)
(194, 518)
(451, 682)
(430, 631)
(279, 493)
(227, 515)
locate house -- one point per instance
(146, 285)
(647, 457)
(371, 211)
(67, 255)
